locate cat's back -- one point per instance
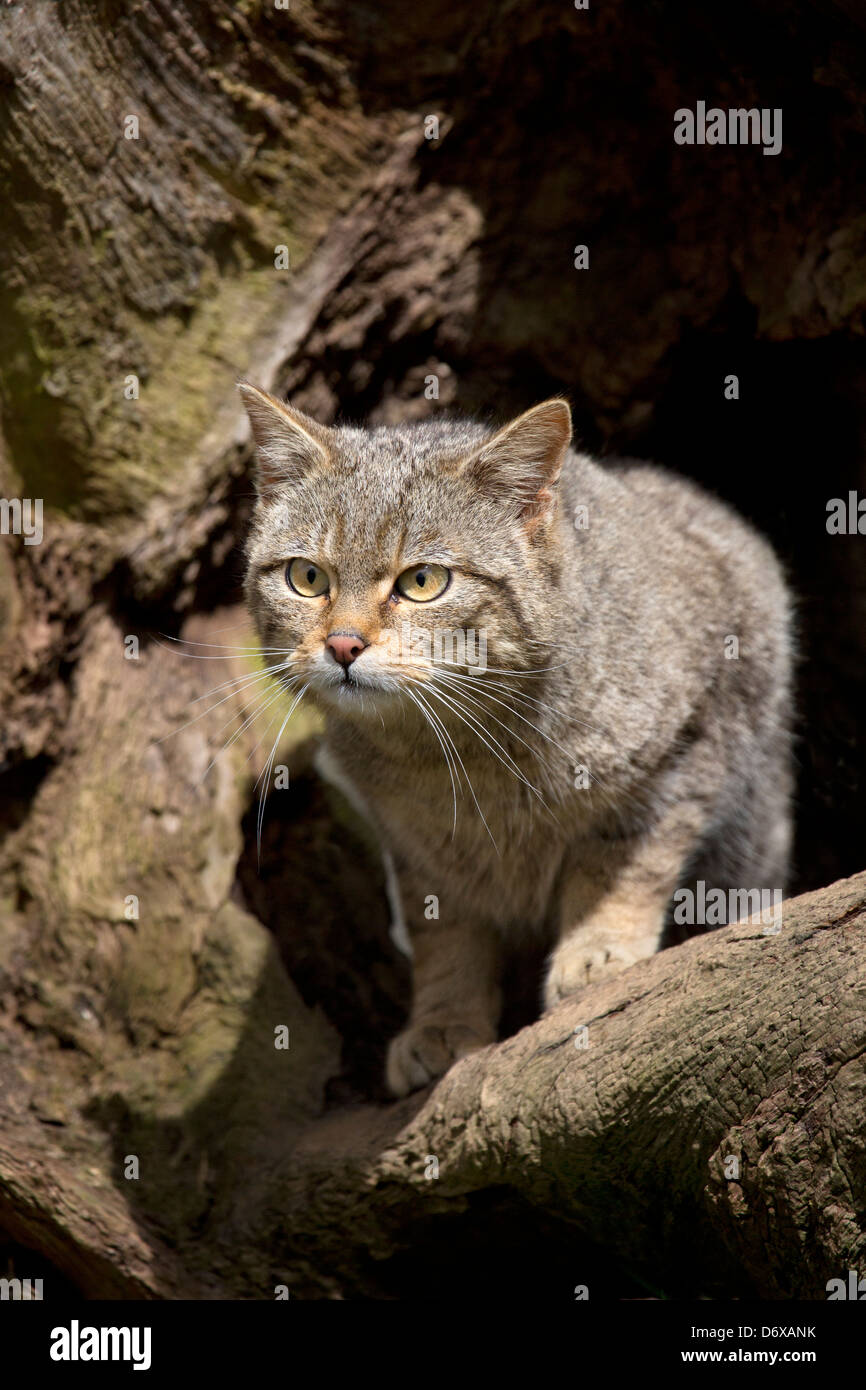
(672, 534)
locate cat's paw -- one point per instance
(583, 960)
(426, 1050)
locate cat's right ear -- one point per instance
(288, 443)
(521, 462)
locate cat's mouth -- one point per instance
(355, 686)
(362, 680)
(351, 685)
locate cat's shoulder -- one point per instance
(660, 509)
(643, 486)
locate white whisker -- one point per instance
(450, 740)
(247, 678)
(265, 776)
(487, 738)
(260, 709)
(445, 754)
(479, 683)
(231, 695)
(452, 675)
(450, 682)
(479, 705)
(215, 646)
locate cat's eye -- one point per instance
(306, 579)
(423, 582)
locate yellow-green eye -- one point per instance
(423, 582)
(306, 578)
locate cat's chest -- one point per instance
(438, 799)
(489, 838)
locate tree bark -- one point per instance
(705, 1132)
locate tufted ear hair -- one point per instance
(288, 443)
(523, 460)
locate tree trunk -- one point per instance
(692, 1127)
(153, 1139)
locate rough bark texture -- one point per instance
(703, 1136)
(153, 1035)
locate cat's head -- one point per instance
(379, 557)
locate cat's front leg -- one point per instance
(455, 1001)
(623, 934)
(614, 903)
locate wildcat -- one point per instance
(626, 734)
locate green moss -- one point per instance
(73, 328)
(75, 439)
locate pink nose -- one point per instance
(345, 646)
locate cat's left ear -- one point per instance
(288, 443)
(523, 460)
